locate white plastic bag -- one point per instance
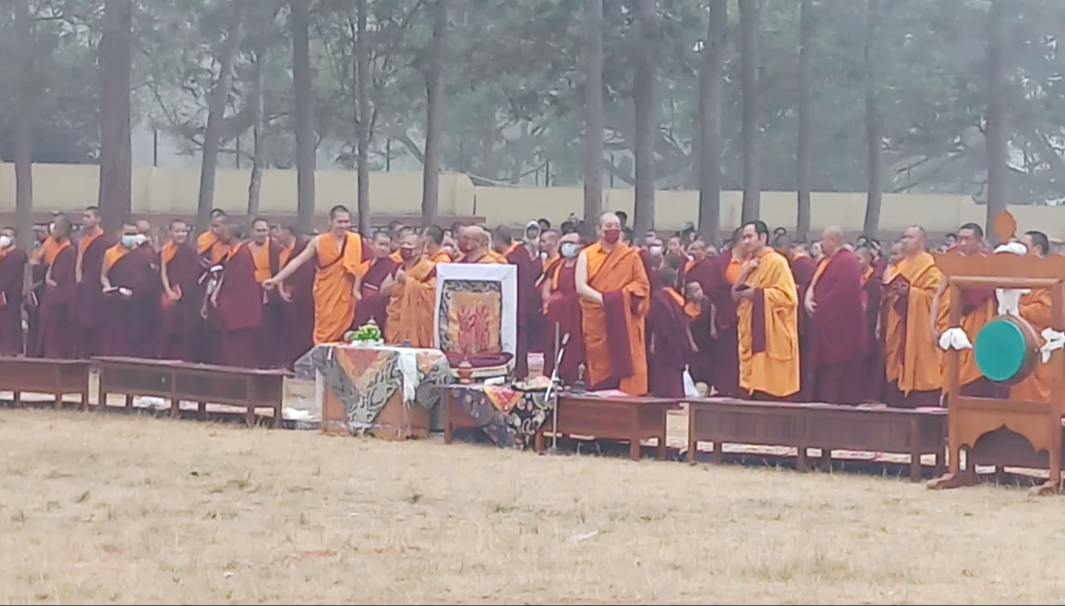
(689, 386)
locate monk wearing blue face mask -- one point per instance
(562, 307)
(129, 286)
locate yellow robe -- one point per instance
(972, 323)
(774, 371)
(334, 281)
(410, 310)
(912, 358)
(1035, 308)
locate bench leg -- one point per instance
(800, 459)
(102, 404)
(249, 415)
(59, 400)
(201, 410)
(538, 441)
(826, 459)
(18, 399)
(129, 401)
(175, 408)
(719, 452)
(634, 433)
(85, 400)
(279, 411)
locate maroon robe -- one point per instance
(298, 312)
(726, 347)
(803, 269)
(181, 319)
(56, 337)
(269, 337)
(650, 265)
(239, 311)
(874, 370)
(702, 362)
(373, 304)
(153, 307)
(12, 277)
(836, 332)
(89, 308)
(529, 303)
(667, 329)
(33, 310)
(128, 323)
(564, 309)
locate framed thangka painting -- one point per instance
(476, 310)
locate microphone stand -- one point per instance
(552, 390)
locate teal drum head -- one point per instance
(1005, 349)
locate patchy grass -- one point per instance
(110, 509)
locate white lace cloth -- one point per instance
(1009, 299)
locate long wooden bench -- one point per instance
(612, 418)
(202, 383)
(39, 375)
(823, 426)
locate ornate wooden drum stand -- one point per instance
(1007, 350)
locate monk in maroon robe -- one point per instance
(267, 256)
(669, 340)
(837, 324)
(12, 281)
(297, 336)
(180, 317)
(56, 338)
(802, 269)
(89, 299)
(128, 284)
(238, 304)
(563, 308)
(700, 269)
(153, 306)
(376, 285)
(529, 302)
(872, 375)
(727, 269)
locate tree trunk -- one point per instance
(643, 97)
(802, 154)
(304, 94)
(593, 101)
(255, 184)
(711, 85)
(873, 137)
(216, 114)
(115, 57)
(434, 126)
(24, 119)
(363, 126)
(995, 129)
(750, 25)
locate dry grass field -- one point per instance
(129, 510)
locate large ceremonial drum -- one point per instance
(1006, 349)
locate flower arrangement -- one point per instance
(367, 334)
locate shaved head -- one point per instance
(608, 218)
(831, 240)
(914, 240)
(477, 234)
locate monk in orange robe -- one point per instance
(127, 282)
(725, 350)
(562, 308)
(377, 282)
(179, 271)
(12, 281)
(1035, 307)
(413, 298)
(212, 252)
(911, 355)
(529, 306)
(210, 243)
(341, 264)
(267, 256)
(767, 304)
(433, 236)
(474, 244)
(56, 337)
(614, 291)
(871, 375)
(298, 298)
(669, 339)
(837, 324)
(89, 309)
(978, 307)
(237, 304)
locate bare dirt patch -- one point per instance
(111, 509)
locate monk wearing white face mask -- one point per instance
(562, 306)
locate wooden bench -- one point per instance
(612, 418)
(823, 426)
(201, 383)
(40, 375)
